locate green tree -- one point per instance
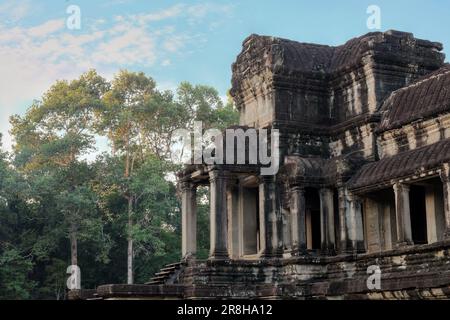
(15, 258)
(122, 207)
(126, 106)
(51, 139)
(155, 206)
(203, 103)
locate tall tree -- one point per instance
(121, 119)
(54, 135)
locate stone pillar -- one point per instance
(343, 237)
(298, 220)
(402, 214)
(233, 220)
(327, 220)
(445, 177)
(431, 211)
(218, 215)
(354, 225)
(269, 219)
(188, 220)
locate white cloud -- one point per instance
(47, 28)
(32, 58)
(175, 42)
(166, 63)
(13, 10)
(197, 13)
(171, 12)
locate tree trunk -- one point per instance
(73, 246)
(130, 242)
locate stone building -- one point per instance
(364, 179)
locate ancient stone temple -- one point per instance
(363, 185)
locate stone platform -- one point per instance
(419, 272)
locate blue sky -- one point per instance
(173, 41)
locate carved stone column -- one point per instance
(445, 178)
(327, 220)
(402, 214)
(218, 215)
(188, 219)
(343, 237)
(269, 219)
(298, 220)
(233, 195)
(354, 224)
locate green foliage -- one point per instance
(51, 197)
(14, 270)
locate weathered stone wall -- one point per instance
(414, 135)
(322, 98)
(322, 85)
(421, 272)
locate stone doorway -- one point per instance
(418, 214)
(427, 211)
(250, 230)
(379, 220)
(313, 223)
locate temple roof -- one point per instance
(292, 56)
(426, 97)
(401, 165)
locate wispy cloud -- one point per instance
(13, 10)
(171, 12)
(33, 57)
(46, 28)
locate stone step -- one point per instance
(164, 274)
(158, 278)
(153, 283)
(169, 269)
(176, 264)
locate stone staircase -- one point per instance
(167, 275)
